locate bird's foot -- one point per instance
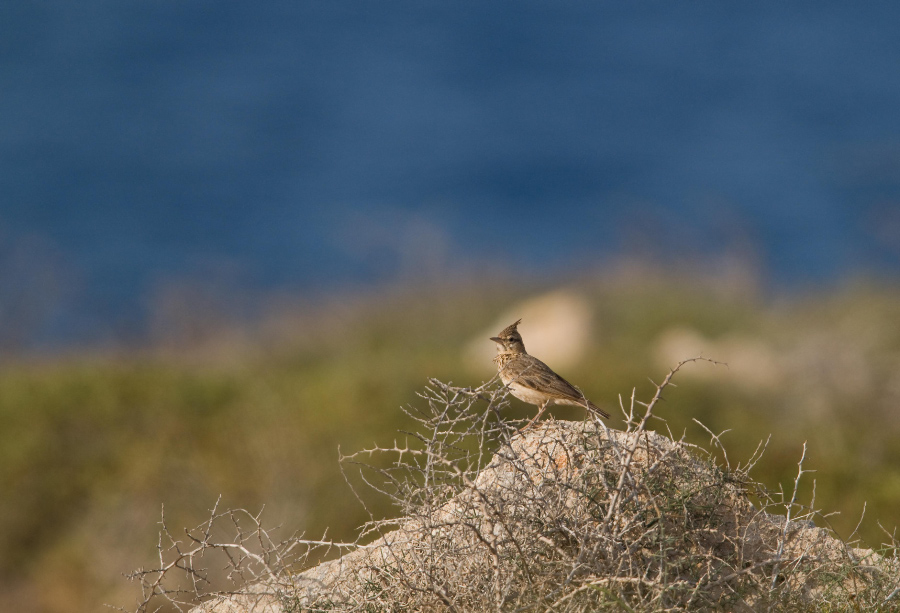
(533, 419)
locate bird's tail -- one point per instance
(593, 407)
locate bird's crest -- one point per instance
(511, 330)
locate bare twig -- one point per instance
(569, 517)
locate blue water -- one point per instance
(306, 145)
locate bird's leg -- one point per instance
(536, 417)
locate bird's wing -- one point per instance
(536, 375)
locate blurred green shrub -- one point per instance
(91, 446)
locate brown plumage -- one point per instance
(532, 381)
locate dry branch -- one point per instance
(565, 517)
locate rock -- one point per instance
(574, 516)
(556, 327)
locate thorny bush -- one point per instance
(567, 516)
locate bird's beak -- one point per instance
(496, 340)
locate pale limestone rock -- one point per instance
(552, 454)
(556, 328)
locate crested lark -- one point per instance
(532, 381)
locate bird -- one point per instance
(532, 381)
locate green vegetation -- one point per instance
(90, 447)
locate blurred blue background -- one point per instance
(305, 147)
